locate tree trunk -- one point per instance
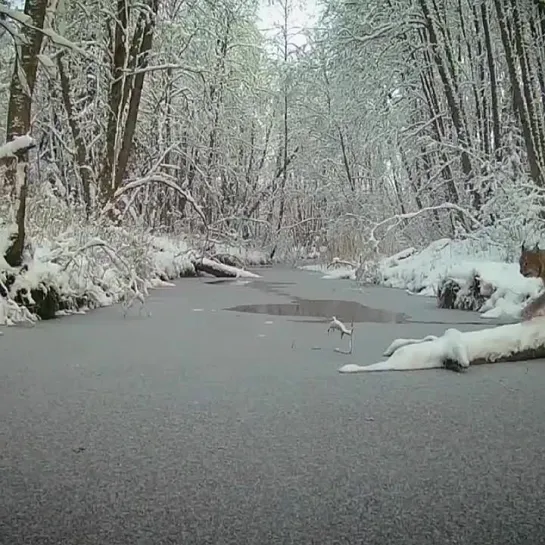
(526, 79)
(518, 101)
(125, 91)
(493, 82)
(79, 143)
(115, 107)
(145, 28)
(18, 121)
(450, 87)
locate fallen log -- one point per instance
(455, 350)
(522, 355)
(220, 270)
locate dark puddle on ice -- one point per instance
(235, 281)
(346, 311)
(259, 284)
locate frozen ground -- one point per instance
(204, 426)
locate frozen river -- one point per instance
(208, 426)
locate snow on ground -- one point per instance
(336, 270)
(422, 272)
(97, 267)
(73, 264)
(338, 273)
(248, 255)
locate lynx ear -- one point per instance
(523, 249)
(536, 247)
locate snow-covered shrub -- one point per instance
(462, 274)
(73, 264)
(475, 276)
(248, 256)
(170, 259)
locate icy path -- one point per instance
(201, 427)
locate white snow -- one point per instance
(170, 258)
(341, 272)
(421, 272)
(502, 284)
(17, 144)
(488, 344)
(104, 266)
(240, 273)
(398, 343)
(248, 255)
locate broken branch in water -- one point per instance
(337, 325)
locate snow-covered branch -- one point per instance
(17, 145)
(17, 15)
(394, 221)
(159, 179)
(166, 66)
(57, 39)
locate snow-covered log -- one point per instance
(221, 270)
(456, 350)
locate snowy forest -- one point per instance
(140, 136)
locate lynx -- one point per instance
(532, 265)
(532, 262)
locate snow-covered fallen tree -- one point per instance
(218, 269)
(456, 350)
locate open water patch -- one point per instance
(346, 311)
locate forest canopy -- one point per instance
(422, 118)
